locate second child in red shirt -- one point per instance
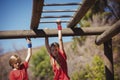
(58, 56)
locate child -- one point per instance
(58, 56)
(19, 71)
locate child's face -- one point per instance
(54, 51)
(17, 65)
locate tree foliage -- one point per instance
(41, 66)
(79, 75)
(77, 40)
(95, 71)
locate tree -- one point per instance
(41, 67)
(94, 71)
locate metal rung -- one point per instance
(53, 21)
(50, 11)
(62, 4)
(63, 16)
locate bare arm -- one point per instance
(47, 44)
(48, 49)
(29, 53)
(60, 35)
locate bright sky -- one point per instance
(16, 15)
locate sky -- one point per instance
(16, 15)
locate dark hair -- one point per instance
(55, 44)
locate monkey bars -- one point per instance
(105, 33)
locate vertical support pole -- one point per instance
(108, 60)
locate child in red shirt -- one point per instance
(58, 56)
(19, 71)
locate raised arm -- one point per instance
(29, 53)
(47, 44)
(60, 35)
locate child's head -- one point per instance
(15, 61)
(54, 48)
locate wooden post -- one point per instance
(108, 60)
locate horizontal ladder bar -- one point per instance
(16, 34)
(53, 21)
(52, 11)
(62, 4)
(62, 16)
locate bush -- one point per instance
(93, 72)
(41, 66)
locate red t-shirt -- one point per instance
(62, 72)
(20, 74)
